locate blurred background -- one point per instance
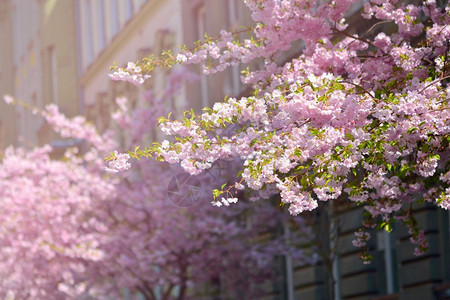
(60, 51)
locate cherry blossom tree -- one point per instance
(362, 116)
(48, 232)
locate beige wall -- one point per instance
(58, 34)
(8, 128)
(27, 68)
(59, 60)
(42, 41)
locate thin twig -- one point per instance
(434, 82)
(357, 85)
(359, 39)
(376, 24)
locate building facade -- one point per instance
(394, 273)
(8, 128)
(39, 66)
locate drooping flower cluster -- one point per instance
(132, 73)
(118, 163)
(78, 129)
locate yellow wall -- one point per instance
(8, 129)
(59, 32)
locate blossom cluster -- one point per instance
(119, 162)
(132, 73)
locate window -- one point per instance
(129, 9)
(289, 269)
(444, 237)
(234, 85)
(2, 135)
(115, 17)
(101, 24)
(1, 62)
(89, 37)
(387, 269)
(201, 29)
(233, 12)
(52, 74)
(103, 114)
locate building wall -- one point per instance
(398, 274)
(59, 56)
(8, 128)
(43, 53)
(59, 62)
(25, 30)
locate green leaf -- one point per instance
(388, 227)
(216, 193)
(349, 136)
(412, 129)
(303, 181)
(380, 146)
